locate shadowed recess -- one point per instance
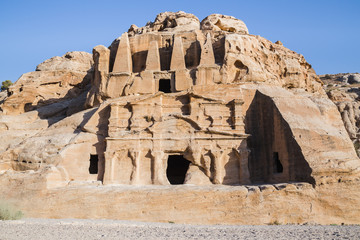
(176, 169)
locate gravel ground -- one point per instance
(115, 229)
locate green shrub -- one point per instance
(5, 85)
(8, 212)
(275, 222)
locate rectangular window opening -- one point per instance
(164, 85)
(93, 167)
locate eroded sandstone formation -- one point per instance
(56, 79)
(180, 101)
(343, 90)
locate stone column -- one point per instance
(109, 168)
(238, 120)
(218, 166)
(135, 157)
(159, 171)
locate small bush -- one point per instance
(5, 85)
(274, 223)
(7, 212)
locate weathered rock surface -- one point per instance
(308, 126)
(168, 22)
(262, 204)
(219, 22)
(251, 58)
(343, 90)
(71, 61)
(239, 57)
(341, 78)
(179, 102)
(56, 79)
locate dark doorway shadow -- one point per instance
(176, 169)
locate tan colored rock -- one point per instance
(169, 21)
(327, 204)
(101, 57)
(315, 128)
(207, 57)
(123, 61)
(241, 124)
(253, 58)
(206, 72)
(219, 22)
(221, 58)
(153, 57)
(345, 96)
(53, 145)
(175, 132)
(56, 79)
(177, 56)
(71, 61)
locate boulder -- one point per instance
(251, 58)
(346, 99)
(219, 22)
(354, 78)
(168, 22)
(71, 61)
(54, 80)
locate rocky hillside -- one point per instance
(343, 90)
(97, 135)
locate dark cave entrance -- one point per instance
(177, 167)
(93, 168)
(164, 85)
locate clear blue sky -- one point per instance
(326, 32)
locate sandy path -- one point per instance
(114, 229)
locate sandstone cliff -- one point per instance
(343, 90)
(182, 101)
(55, 80)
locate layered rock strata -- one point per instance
(343, 90)
(175, 102)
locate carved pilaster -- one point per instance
(110, 174)
(135, 158)
(218, 166)
(159, 172)
(237, 116)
